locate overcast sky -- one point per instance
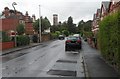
(78, 9)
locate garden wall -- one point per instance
(6, 45)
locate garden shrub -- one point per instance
(23, 40)
(35, 38)
(4, 37)
(53, 35)
(109, 38)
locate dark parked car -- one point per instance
(72, 43)
(61, 37)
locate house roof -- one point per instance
(98, 10)
(12, 16)
(94, 16)
(106, 5)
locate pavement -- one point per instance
(8, 51)
(4, 52)
(96, 65)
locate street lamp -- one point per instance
(14, 3)
(39, 24)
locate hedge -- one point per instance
(53, 36)
(88, 34)
(109, 39)
(23, 40)
(35, 38)
(4, 37)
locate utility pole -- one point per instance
(39, 24)
(14, 3)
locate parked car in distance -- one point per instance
(85, 39)
(61, 37)
(72, 43)
(77, 35)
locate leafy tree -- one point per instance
(36, 25)
(58, 33)
(80, 25)
(20, 29)
(84, 28)
(71, 26)
(63, 26)
(65, 32)
(87, 25)
(45, 24)
(54, 28)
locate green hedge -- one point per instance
(35, 38)
(109, 38)
(23, 40)
(53, 35)
(88, 34)
(65, 32)
(4, 37)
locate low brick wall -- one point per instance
(45, 37)
(6, 45)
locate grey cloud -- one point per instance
(78, 9)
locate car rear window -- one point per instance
(71, 38)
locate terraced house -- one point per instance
(107, 8)
(10, 20)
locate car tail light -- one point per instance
(79, 41)
(68, 41)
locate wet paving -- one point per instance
(13, 55)
(62, 72)
(51, 60)
(46, 60)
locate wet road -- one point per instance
(46, 60)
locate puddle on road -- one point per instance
(54, 46)
(9, 57)
(38, 47)
(62, 73)
(20, 54)
(73, 51)
(66, 61)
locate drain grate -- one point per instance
(62, 72)
(66, 61)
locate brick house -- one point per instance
(96, 19)
(99, 15)
(9, 25)
(10, 20)
(107, 7)
(114, 6)
(95, 27)
(29, 30)
(104, 9)
(13, 18)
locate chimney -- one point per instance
(6, 12)
(33, 17)
(26, 13)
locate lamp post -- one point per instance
(39, 24)
(14, 3)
